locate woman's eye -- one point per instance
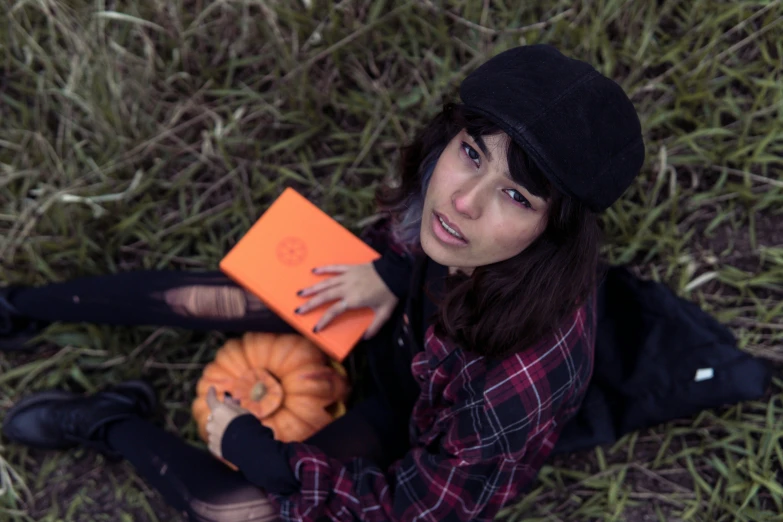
(522, 199)
(471, 153)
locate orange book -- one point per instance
(275, 258)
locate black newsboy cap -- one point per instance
(577, 125)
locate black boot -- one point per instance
(59, 419)
(15, 330)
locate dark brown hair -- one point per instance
(511, 304)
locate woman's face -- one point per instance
(472, 190)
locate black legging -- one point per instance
(204, 489)
(191, 479)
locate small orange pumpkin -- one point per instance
(283, 379)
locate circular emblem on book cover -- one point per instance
(291, 251)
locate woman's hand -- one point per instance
(354, 286)
(220, 416)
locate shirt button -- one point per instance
(405, 318)
(400, 341)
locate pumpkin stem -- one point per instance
(258, 391)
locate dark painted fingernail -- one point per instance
(315, 329)
(314, 270)
(297, 310)
(300, 292)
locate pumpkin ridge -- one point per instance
(231, 358)
(284, 380)
(256, 349)
(304, 421)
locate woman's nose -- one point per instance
(468, 200)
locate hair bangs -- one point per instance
(526, 172)
(523, 169)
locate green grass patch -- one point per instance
(152, 135)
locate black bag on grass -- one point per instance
(657, 358)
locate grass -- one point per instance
(152, 134)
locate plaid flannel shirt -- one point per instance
(480, 431)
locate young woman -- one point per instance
(482, 344)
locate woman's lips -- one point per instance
(452, 225)
(442, 234)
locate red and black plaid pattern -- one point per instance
(480, 431)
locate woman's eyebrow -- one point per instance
(483, 146)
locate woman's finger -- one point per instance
(319, 287)
(333, 311)
(212, 400)
(326, 269)
(333, 294)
